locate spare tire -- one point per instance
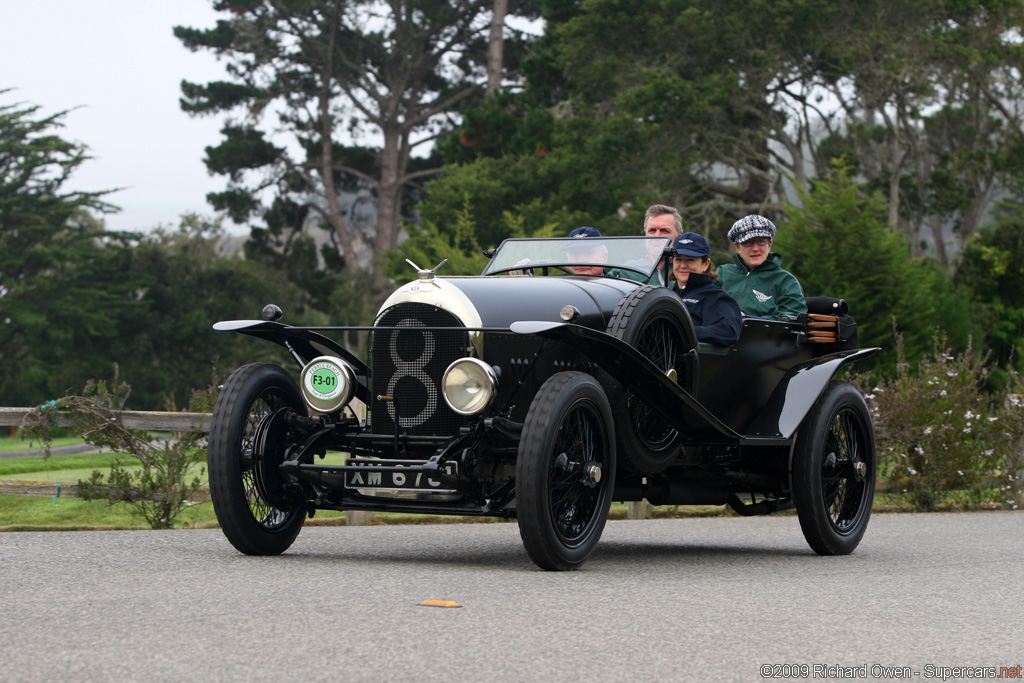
(655, 322)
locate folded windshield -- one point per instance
(637, 254)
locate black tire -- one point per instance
(654, 321)
(568, 432)
(250, 397)
(833, 470)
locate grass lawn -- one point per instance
(22, 513)
(67, 468)
(25, 513)
(15, 444)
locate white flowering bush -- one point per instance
(939, 431)
(1011, 484)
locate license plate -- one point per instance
(414, 480)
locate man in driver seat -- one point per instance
(587, 251)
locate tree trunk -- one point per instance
(924, 174)
(337, 218)
(894, 184)
(389, 201)
(495, 47)
(940, 244)
(972, 218)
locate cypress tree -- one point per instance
(838, 243)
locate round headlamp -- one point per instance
(327, 383)
(468, 385)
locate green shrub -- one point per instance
(163, 484)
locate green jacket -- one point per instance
(766, 291)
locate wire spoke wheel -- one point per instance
(842, 485)
(262, 453)
(565, 471)
(659, 343)
(573, 500)
(654, 321)
(247, 441)
(834, 464)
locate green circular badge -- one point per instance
(326, 384)
(325, 381)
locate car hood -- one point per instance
(501, 301)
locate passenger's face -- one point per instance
(682, 266)
(584, 254)
(754, 251)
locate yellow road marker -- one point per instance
(439, 603)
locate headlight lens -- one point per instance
(468, 385)
(327, 383)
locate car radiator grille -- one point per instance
(407, 366)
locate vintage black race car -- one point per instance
(535, 393)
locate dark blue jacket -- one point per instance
(715, 314)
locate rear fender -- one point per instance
(797, 393)
(303, 344)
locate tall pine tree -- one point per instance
(387, 76)
(63, 291)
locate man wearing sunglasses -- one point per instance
(755, 278)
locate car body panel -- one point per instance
(536, 298)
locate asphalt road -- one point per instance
(660, 600)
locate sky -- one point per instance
(117, 64)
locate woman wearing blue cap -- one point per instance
(716, 315)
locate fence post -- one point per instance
(358, 518)
(639, 509)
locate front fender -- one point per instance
(304, 345)
(644, 379)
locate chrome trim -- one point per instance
(446, 295)
(569, 313)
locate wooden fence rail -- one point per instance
(156, 421)
(150, 420)
(63, 489)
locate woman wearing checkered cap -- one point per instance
(755, 278)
